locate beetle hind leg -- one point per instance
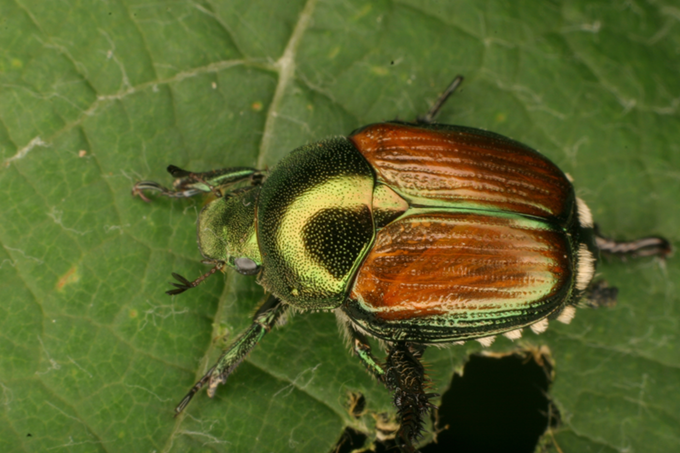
(428, 118)
(646, 246)
(600, 294)
(405, 376)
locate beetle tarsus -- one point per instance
(197, 386)
(405, 375)
(213, 180)
(265, 318)
(139, 188)
(428, 118)
(188, 184)
(646, 246)
(600, 294)
(186, 179)
(177, 172)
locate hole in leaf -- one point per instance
(350, 440)
(356, 404)
(499, 404)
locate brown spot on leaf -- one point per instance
(71, 276)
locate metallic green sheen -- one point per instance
(539, 300)
(315, 224)
(226, 228)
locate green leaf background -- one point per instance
(96, 95)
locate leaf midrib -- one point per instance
(285, 67)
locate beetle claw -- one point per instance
(139, 188)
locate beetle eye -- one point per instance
(246, 266)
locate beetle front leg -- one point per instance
(599, 293)
(187, 184)
(263, 322)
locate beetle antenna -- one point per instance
(434, 110)
(185, 284)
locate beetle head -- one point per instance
(226, 231)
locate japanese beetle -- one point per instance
(414, 233)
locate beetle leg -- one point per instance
(405, 376)
(363, 350)
(646, 246)
(188, 184)
(263, 322)
(600, 294)
(428, 118)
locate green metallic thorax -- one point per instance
(309, 225)
(314, 223)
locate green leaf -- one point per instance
(95, 96)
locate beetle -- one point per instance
(415, 233)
